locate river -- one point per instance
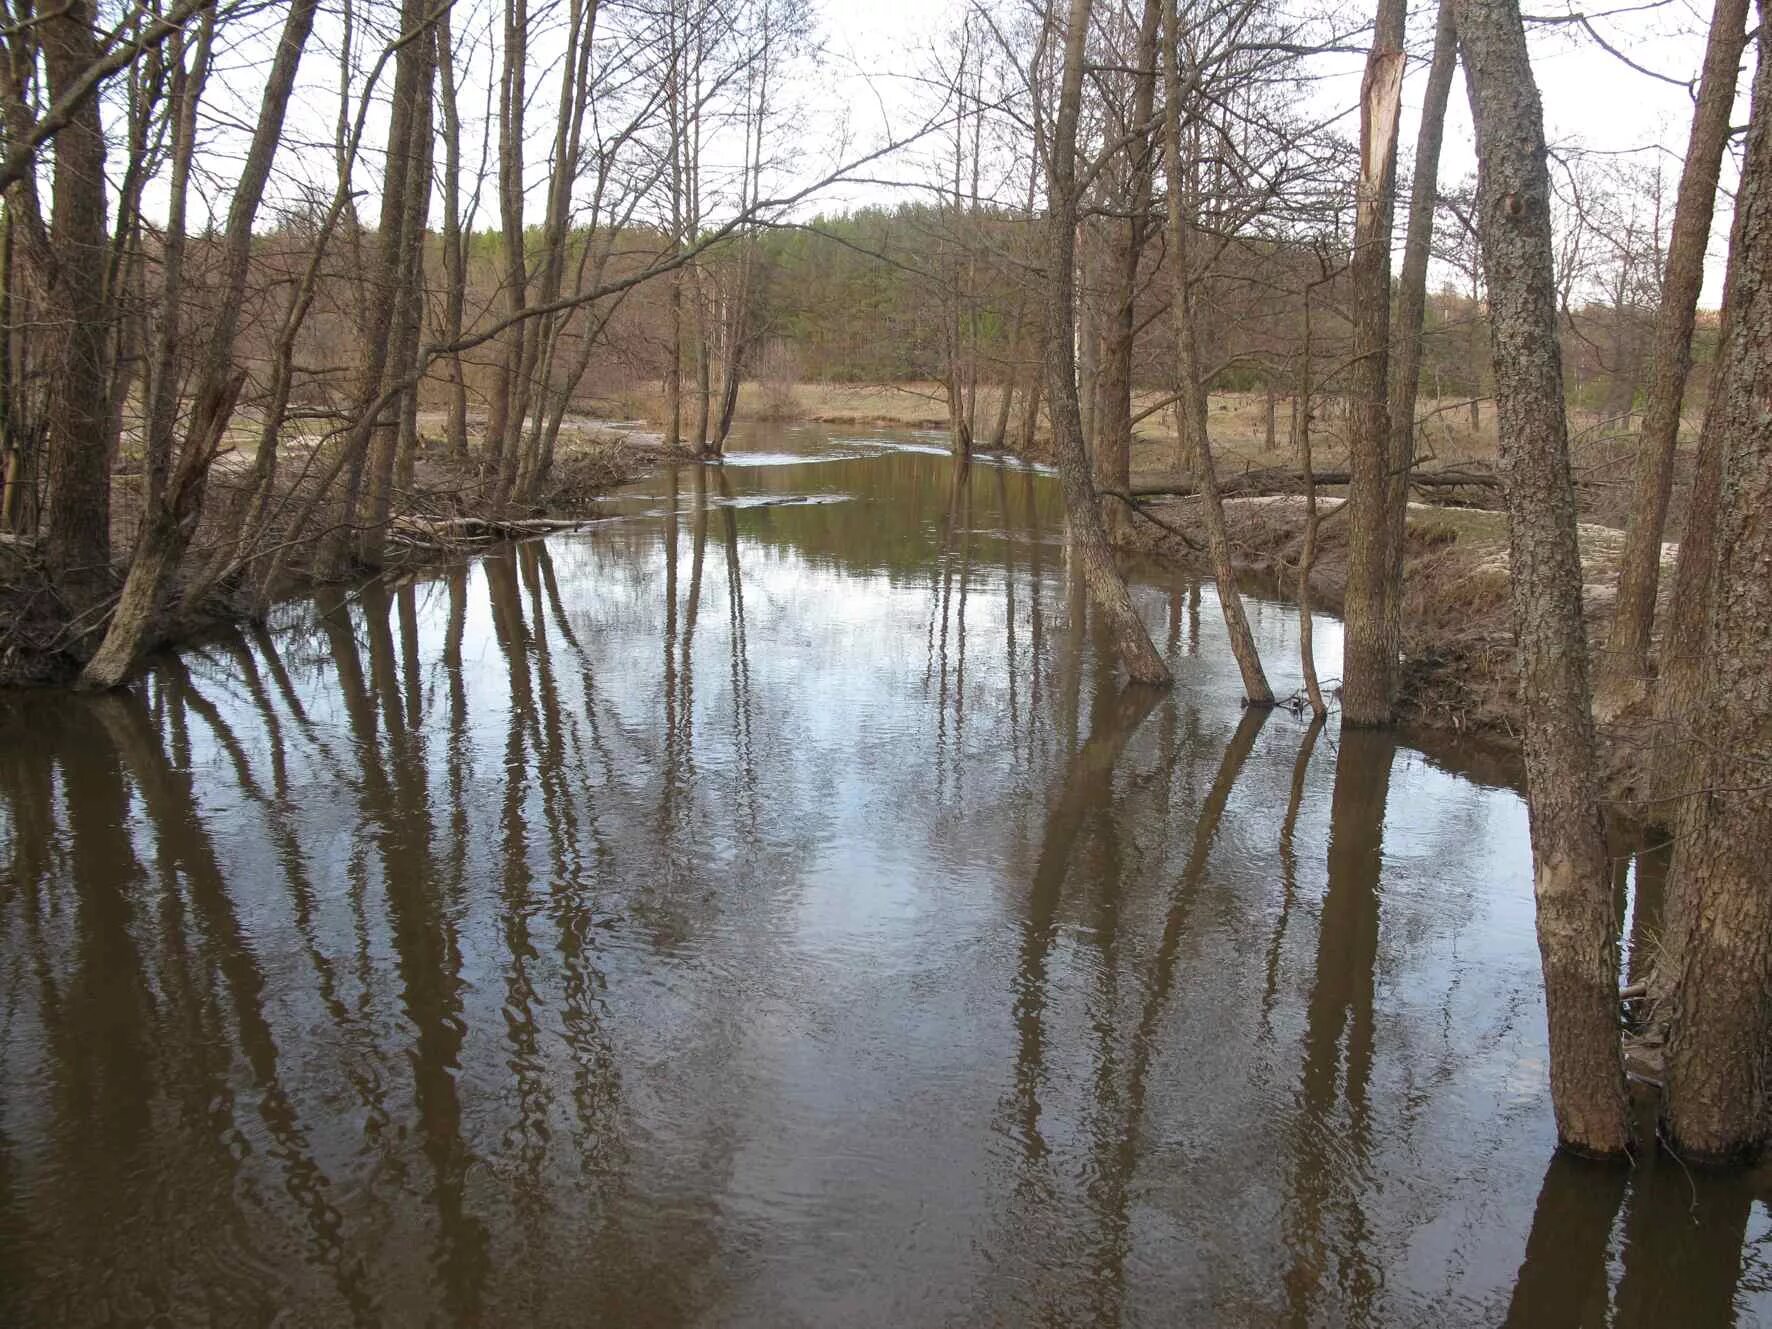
(765, 908)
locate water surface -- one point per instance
(766, 908)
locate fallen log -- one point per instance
(454, 529)
(1281, 480)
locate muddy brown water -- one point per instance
(764, 908)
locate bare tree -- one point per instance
(1190, 388)
(1577, 928)
(1369, 654)
(1716, 1106)
(1624, 664)
(1405, 378)
(1107, 588)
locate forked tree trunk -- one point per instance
(1106, 586)
(1721, 1034)
(1411, 311)
(1577, 928)
(1190, 406)
(165, 535)
(1625, 663)
(1369, 657)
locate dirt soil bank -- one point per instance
(1458, 672)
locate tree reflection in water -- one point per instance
(580, 935)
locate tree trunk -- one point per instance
(77, 507)
(1577, 928)
(1113, 418)
(1369, 656)
(504, 424)
(172, 520)
(165, 535)
(1106, 587)
(1307, 558)
(1680, 684)
(455, 254)
(1190, 406)
(1625, 663)
(1411, 311)
(673, 375)
(1717, 1100)
(393, 350)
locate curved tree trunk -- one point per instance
(1577, 928)
(1106, 587)
(1625, 663)
(1190, 406)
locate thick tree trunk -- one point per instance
(1411, 311)
(1718, 1047)
(1106, 586)
(1625, 663)
(1577, 927)
(77, 508)
(1190, 406)
(164, 538)
(1369, 657)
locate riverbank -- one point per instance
(1458, 670)
(443, 515)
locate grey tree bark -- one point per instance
(1721, 1032)
(1106, 586)
(1369, 656)
(1190, 406)
(1625, 664)
(1411, 311)
(1577, 928)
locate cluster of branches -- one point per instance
(278, 226)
